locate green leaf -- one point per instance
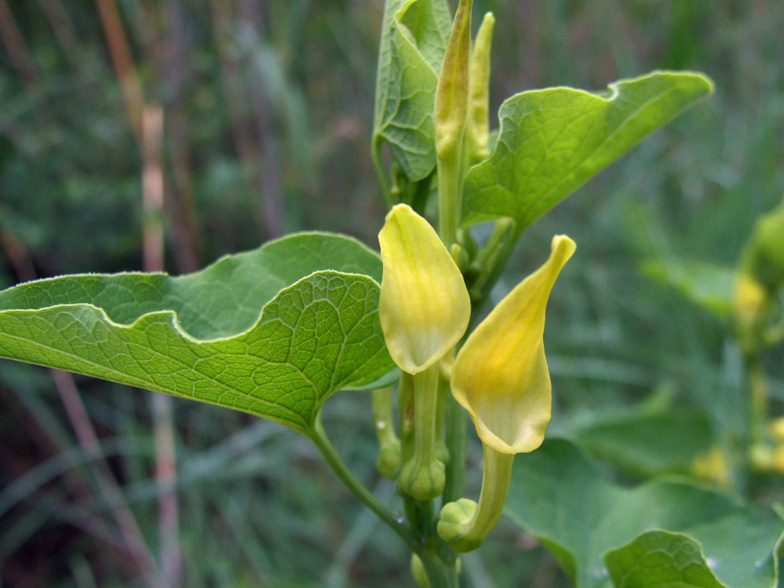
(649, 444)
(413, 43)
(269, 332)
(661, 559)
(564, 500)
(704, 284)
(552, 141)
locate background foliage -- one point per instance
(267, 113)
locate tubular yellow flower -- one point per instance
(500, 375)
(424, 306)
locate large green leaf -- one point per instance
(649, 444)
(564, 500)
(553, 140)
(413, 43)
(704, 284)
(272, 332)
(661, 559)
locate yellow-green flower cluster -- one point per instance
(499, 376)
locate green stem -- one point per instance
(442, 574)
(759, 399)
(425, 415)
(423, 476)
(319, 437)
(449, 199)
(494, 272)
(464, 524)
(496, 476)
(405, 400)
(416, 512)
(375, 154)
(456, 438)
(388, 458)
(382, 415)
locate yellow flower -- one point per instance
(750, 299)
(500, 375)
(713, 466)
(424, 306)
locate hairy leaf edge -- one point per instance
(614, 90)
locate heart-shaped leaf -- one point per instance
(413, 43)
(649, 444)
(564, 500)
(659, 559)
(270, 332)
(552, 141)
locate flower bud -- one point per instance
(454, 523)
(422, 479)
(477, 132)
(763, 257)
(451, 104)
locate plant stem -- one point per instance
(449, 196)
(405, 400)
(491, 274)
(456, 437)
(375, 153)
(464, 524)
(425, 415)
(496, 475)
(382, 415)
(759, 398)
(319, 437)
(442, 574)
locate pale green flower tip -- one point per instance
(424, 306)
(454, 525)
(451, 101)
(423, 482)
(484, 36)
(388, 460)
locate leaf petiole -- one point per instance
(319, 436)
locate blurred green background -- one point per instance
(266, 117)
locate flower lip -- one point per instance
(500, 375)
(424, 305)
